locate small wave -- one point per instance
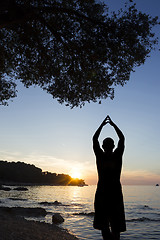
(90, 214)
(76, 204)
(17, 199)
(143, 219)
(158, 214)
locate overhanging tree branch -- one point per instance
(74, 50)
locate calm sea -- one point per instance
(142, 206)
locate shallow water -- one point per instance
(142, 207)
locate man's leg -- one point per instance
(114, 222)
(106, 234)
(115, 235)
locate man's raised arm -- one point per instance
(97, 133)
(118, 131)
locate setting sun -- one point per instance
(75, 173)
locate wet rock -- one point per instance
(57, 218)
(29, 212)
(5, 188)
(20, 189)
(56, 203)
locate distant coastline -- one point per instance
(6, 183)
(22, 174)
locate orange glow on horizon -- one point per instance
(75, 173)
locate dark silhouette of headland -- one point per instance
(22, 173)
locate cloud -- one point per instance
(140, 177)
(9, 156)
(87, 168)
(51, 163)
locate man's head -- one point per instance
(108, 144)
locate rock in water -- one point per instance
(57, 218)
(56, 203)
(5, 188)
(21, 189)
(30, 212)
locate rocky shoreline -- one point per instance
(22, 211)
(14, 227)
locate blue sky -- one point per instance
(38, 130)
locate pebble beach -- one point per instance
(18, 228)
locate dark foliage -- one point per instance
(74, 49)
(21, 172)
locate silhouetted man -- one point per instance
(109, 207)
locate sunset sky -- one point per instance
(38, 130)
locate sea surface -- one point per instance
(75, 204)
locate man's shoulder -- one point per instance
(97, 150)
(119, 151)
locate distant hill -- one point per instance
(20, 172)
